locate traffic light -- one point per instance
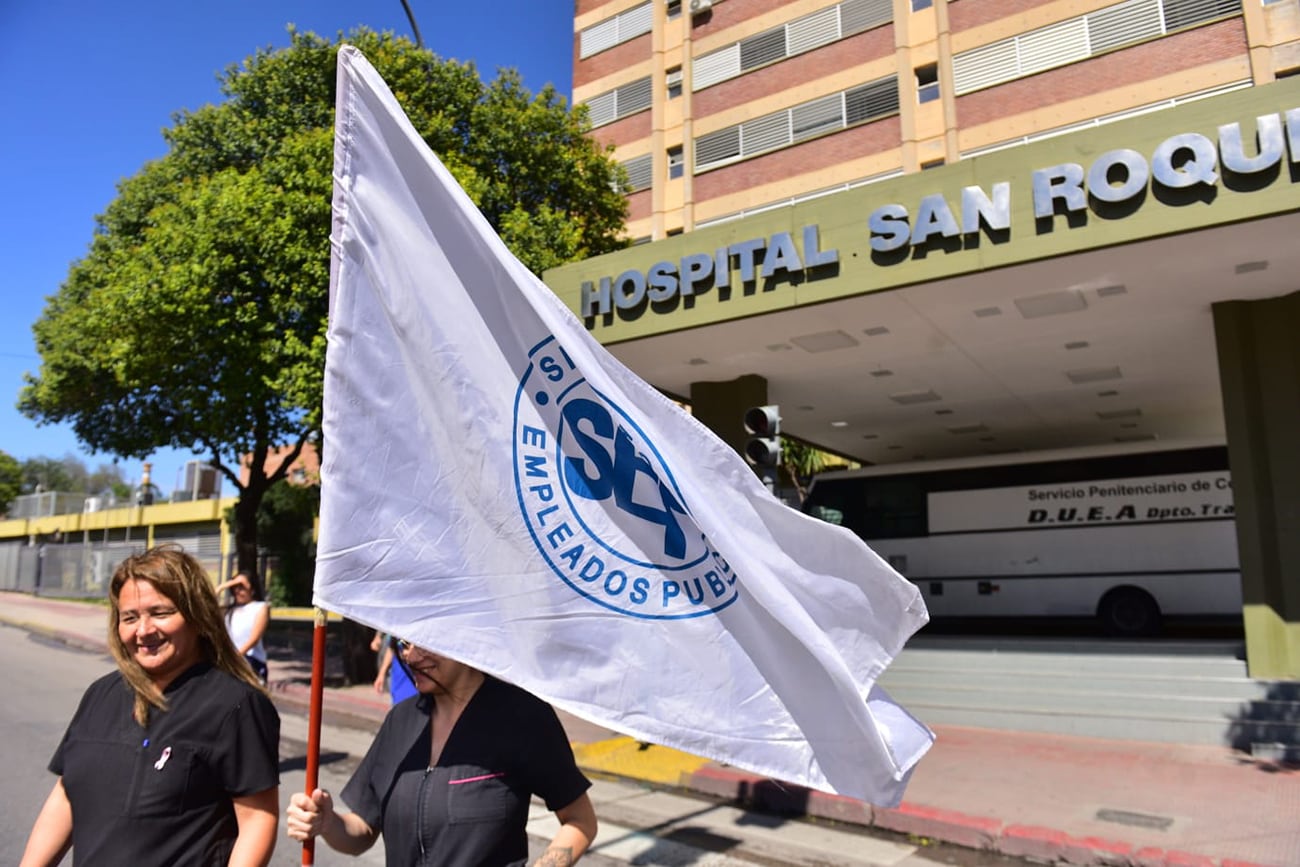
(763, 447)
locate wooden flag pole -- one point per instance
(314, 720)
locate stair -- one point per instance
(1186, 691)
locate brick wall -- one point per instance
(728, 14)
(973, 13)
(633, 128)
(638, 205)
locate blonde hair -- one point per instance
(179, 577)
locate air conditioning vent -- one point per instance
(700, 6)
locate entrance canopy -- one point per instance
(1102, 346)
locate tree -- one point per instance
(197, 319)
(11, 480)
(285, 520)
(802, 461)
(49, 474)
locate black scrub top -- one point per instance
(472, 808)
(161, 794)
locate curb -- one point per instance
(71, 639)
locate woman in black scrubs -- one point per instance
(173, 759)
(450, 775)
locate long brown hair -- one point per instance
(179, 577)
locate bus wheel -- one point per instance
(1128, 612)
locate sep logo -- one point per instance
(601, 505)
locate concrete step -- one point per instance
(1153, 706)
(1175, 692)
(1176, 730)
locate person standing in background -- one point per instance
(247, 617)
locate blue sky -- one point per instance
(89, 86)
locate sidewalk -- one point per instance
(1048, 797)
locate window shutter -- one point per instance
(717, 147)
(762, 49)
(1123, 24)
(639, 172)
(818, 116)
(877, 99)
(1185, 13)
(813, 31)
(716, 66)
(1049, 47)
(635, 21)
(634, 97)
(601, 109)
(598, 37)
(765, 133)
(859, 15)
(988, 64)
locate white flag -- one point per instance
(499, 489)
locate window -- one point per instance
(927, 83)
(639, 172)
(784, 128)
(676, 163)
(1079, 38)
(674, 82)
(674, 9)
(918, 5)
(803, 34)
(614, 104)
(614, 31)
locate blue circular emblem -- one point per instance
(601, 505)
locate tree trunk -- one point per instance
(246, 536)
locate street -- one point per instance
(638, 824)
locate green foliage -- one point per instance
(11, 480)
(802, 461)
(70, 474)
(196, 320)
(285, 520)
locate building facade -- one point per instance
(721, 108)
(946, 228)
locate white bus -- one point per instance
(1128, 536)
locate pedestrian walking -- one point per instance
(393, 672)
(449, 777)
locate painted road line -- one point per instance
(627, 757)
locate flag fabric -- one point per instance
(498, 488)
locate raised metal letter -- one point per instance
(1232, 152)
(1063, 182)
(1198, 170)
(1135, 169)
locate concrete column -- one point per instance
(720, 406)
(1259, 371)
